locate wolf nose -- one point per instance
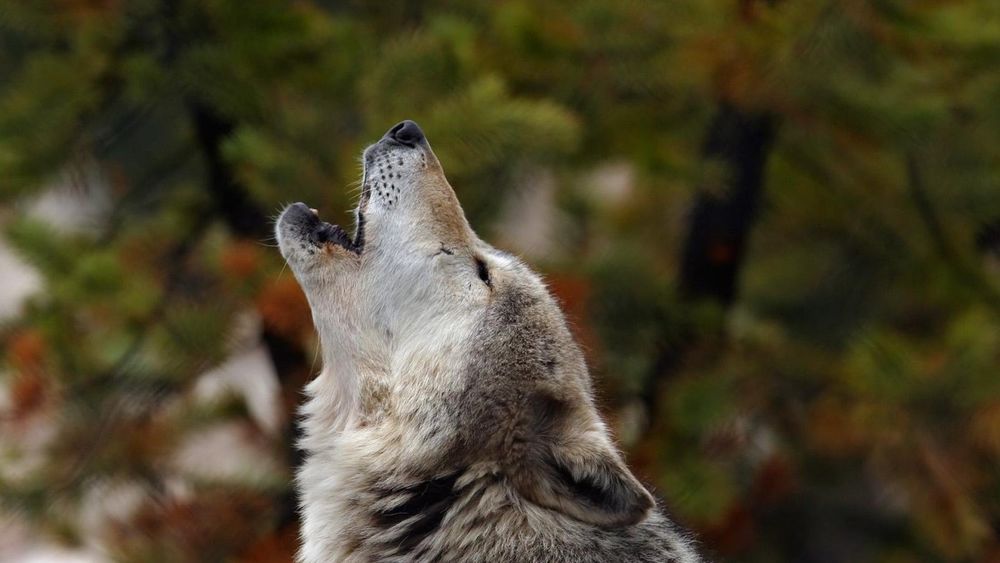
(407, 133)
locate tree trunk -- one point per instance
(738, 143)
(722, 216)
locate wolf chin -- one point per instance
(454, 418)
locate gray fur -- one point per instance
(454, 419)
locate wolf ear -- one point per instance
(578, 472)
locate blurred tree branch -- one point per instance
(961, 267)
(246, 220)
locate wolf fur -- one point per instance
(454, 418)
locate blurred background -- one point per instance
(774, 225)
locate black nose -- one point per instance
(407, 133)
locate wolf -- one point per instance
(454, 417)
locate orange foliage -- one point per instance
(241, 259)
(26, 350)
(733, 534)
(28, 394)
(573, 292)
(774, 481)
(832, 431)
(28, 390)
(985, 428)
(213, 522)
(278, 547)
(284, 308)
(75, 10)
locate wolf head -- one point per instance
(446, 352)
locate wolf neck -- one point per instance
(364, 494)
(372, 492)
(332, 406)
(335, 395)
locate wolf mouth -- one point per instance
(321, 233)
(405, 135)
(335, 234)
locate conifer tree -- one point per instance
(822, 387)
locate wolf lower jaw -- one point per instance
(362, 501)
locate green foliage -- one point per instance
(848, 397)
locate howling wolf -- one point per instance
(454, 418)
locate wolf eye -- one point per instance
(483, 271)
